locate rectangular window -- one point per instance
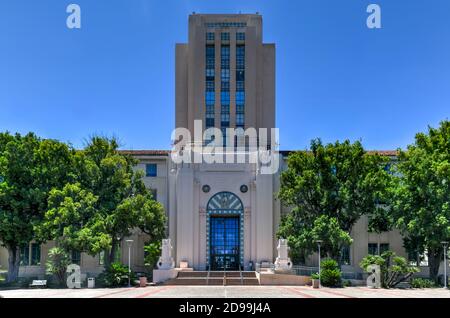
(75, 257)
(225, 36)
(373, 249)
(384, 247)
(225, 98)
(345, 255)
(25, 255)
(150, 170)
(225, 119)
(225, 75)
(240, 76)
(210, 36)
(225, 56)
(240, 98)
(101, 258)
(240, 86)
(240, 120)
(240, 36)
(210, 86)
(210, 56)
(240, 56)
(210, 98)
(35, 254)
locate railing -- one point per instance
(264, 266)
(300, 270)
(208, 275)
(240, 274)
(304, 270)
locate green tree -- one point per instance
(422, 195)
(106, 203)
(340, 181)
(29, 168)
(303, 238)
(58, 260)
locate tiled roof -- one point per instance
(145, 152)
(390, 153)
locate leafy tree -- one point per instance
(422, 195)
(394, 269)
(339, 181)
(106, 203)
(153, 251)
(58, 260)
(303, 238)
(29, 168)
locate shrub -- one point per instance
(422, 283)
(330, 275)
(57, 263)
(153, 252)
(394, 269)
(315, 276)
(115, 276)
(347, 283)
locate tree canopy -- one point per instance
(422, 194)
(328, 189)
(29, 168)
(105, 204)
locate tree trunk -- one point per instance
(13, 264)
(110, 256)
(434, 260)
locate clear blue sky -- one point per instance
(336, 79)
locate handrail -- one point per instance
(225, 273)
(208, 275)
(240, 273)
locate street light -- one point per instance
(129, 243)
(318, 245)
(445, 244)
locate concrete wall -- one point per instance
(259, 72)
(3, 259)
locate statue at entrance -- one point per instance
(283, 262)
(166, 260)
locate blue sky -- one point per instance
(336, 79)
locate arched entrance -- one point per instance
(225, 232)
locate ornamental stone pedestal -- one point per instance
(166, 264)
(283, 262)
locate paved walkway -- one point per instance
(227, 292)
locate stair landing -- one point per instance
(218, 278)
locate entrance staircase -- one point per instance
(222, 278)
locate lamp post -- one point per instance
(129, 243)
(318, 245)
(445, 244)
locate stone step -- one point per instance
(193, 274)
(215, 278)
(204, 274)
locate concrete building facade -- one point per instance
(219, 215)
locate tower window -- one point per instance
(225, 36)
(151, 170)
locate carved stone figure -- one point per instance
(166, 260)
(283, 262)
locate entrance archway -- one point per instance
(225, 232)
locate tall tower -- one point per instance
(225, 74)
